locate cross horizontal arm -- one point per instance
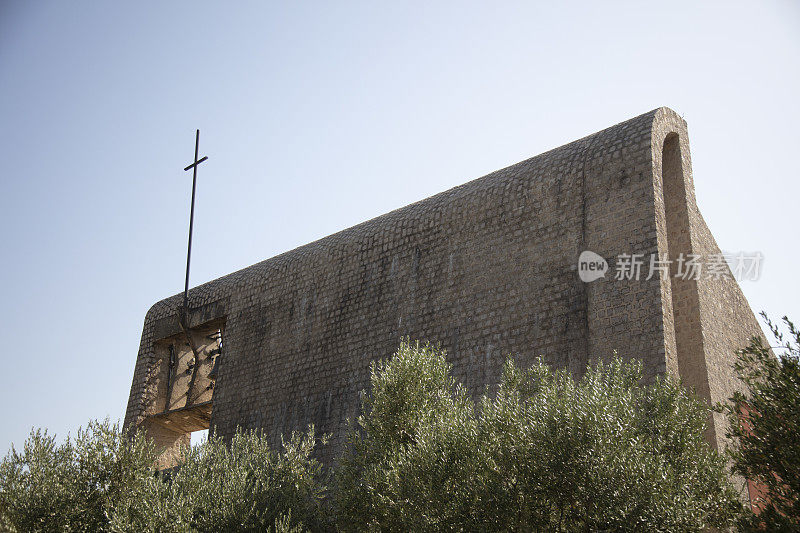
(196, 163)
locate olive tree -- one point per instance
(240, 485)
(74, 485)
(764, 422)
(545, 453)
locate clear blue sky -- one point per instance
(317, 116)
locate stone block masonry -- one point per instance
(486, 269)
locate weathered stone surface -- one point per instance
(486, 269)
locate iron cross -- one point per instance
(193, 166)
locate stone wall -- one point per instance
(486, 269)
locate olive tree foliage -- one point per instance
(545, 453)
(412, 397)
(764, 422)
(241, 485)
(103, 480)
(74, 485)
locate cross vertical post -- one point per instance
(193, 166)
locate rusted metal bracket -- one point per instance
(212, 375)
(170, 372)
(187, 332)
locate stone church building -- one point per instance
(486, 269)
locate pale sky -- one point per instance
(317, 116)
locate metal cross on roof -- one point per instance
(193, 166)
